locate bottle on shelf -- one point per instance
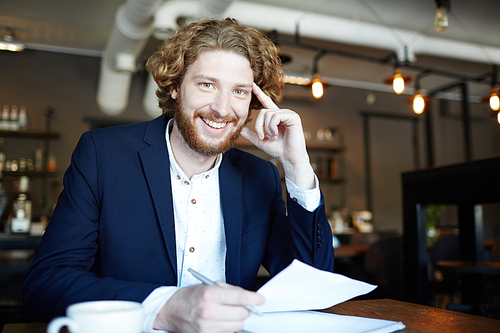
(51, 163)
(23, 119)
(5, 118)
(3, 196)
(21, 219)
(39, 160)
(14, 118)
(2, 158)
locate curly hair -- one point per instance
(170, 62)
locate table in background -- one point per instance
(350, 250)
(467, 186)
(417, 318)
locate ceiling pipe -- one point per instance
(131, 30)
(117, 74)
(214, 8)
(336, 29)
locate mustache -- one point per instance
(215, 117)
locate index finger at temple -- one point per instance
(266, 101)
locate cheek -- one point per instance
(195, 101)
(241, 108)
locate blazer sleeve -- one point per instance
(311, 235)
(61, 273)
(298, 234)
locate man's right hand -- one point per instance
(201, 309)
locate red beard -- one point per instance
(192, 137)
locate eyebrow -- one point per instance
(211, 78)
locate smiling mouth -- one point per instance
(214, 124)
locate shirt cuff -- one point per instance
(152, 306)
(308, 199)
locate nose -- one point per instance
(221, 104)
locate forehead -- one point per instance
(221, 64)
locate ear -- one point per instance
(173, 93)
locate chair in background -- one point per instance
(383, 264)
(495, 252)
(349, 257)
(443, 286)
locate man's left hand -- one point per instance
(279, 133)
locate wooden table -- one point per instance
(457, 266)
(475, 273)
(417, 318)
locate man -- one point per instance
(145, 202)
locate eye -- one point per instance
(240, 92)
(206, 85)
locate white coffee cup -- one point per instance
(100, 317)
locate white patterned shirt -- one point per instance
(199, 229)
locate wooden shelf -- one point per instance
(29, 135)
(29, 174)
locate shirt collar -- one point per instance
(174, 167)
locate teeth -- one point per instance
(214, 124)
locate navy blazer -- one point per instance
(112, 232)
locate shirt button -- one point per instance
(193, 201)
(186, 182)
(206, 177)
(295, 199)
(178, 177)
(191, 249)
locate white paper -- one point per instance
(317, 322)
(303, 287)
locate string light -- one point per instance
(494, 100)
(441, 22)
(317, 87)
(398, 81)
(418, 103)
(8, 42)
(398, 84)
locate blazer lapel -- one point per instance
(231, 182)
(155, 163)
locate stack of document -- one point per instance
(299, 288)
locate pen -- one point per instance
(209, 282)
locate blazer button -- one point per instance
(193, 201)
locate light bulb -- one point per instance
(441, 20)
(418, 104)
(317, 88)
(398, 84)
(494, 102)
